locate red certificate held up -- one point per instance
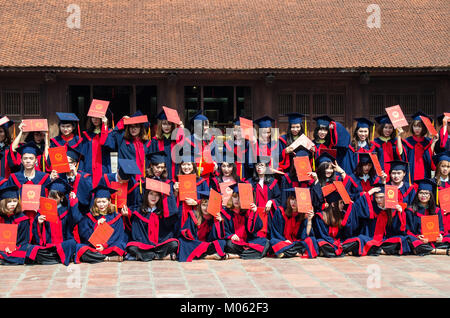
(302, 141)
(303, 197)
(101, 234)
(31, 194)
(8, 236)
(430, 227)
(444, 199)
(49, 208)
(246, 128)
(135, 120)
(342, 191)
(396, 116)
(429, 126)
(4, 120)
(35, 125)
(390, 196)
(158, 186)
(119, 197)
(226, 191)
(98, 108)
(58, 159)
(302, 167)
(376, 163)
(187, 186)
(172, 115)
(245, 195)
(214, 202)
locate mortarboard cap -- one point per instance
(102, 191)
(265, 122)
(29, 147)
(10, 192)
(362, 122)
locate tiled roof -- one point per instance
(224, 35)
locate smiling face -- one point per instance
(295, 129)
(153, 198)
(362, 134)
(261, 168)
(158, 169)
(424, 196)
(102, 204)
(444, 168)
(66, 129)
(322, 133)
(187, 167)
(388, 129)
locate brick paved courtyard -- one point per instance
(347, 277)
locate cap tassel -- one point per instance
(140, 186)
(14, 132)
(149, 133)
(373, 132)
(306, 128)
(79, 132)
(314, 163)
(112, 119)
(437, 196)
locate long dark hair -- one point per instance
(327, 138)
(380, 131)
(334, 215)
(268, 178)
(145, 204)
(359, 170)
(233, 172)
(355, 139)
(7, 140)
(415, 204)
(290, 137)
(54, 194)
(288, 211)
(321, 175)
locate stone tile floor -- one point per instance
(346, 277)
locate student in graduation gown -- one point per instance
(55, 242)
(153, 229)
(126, 173)
(364, 177)
(102, 210)
(227, 173)
(267, 145)
(96, 156)
(418, 149)
(398, 178)
(375, 227)
(331, 229)
(11, 213)
(442, 162)
(241, 229)
(291, 231)
(5, 150)
(68, 124)
(294, 131)
(167, 136)
(188, 167)
(424, 204)
(267, 193)
(290, 180)
(29, 153)
(202, 235)
(388, 141)
(237, 151)
(39, 139)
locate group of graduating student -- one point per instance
(347, 215)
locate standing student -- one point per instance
(68, 123)
(102, 211)
(96, 156)
(388, 141)
(11, 213)
(227, 172)
(418, 149)
(424, 204)
(153, 230)
(6, 162)
(291, 230)
(162, 141)
(361, 143)
(442, 163)
(241, 228)
(202, 235)
(55, 242)
(444, 142)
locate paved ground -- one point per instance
(349, 277)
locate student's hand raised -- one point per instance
(218, 217)
(422, 238)
(190, 201)
(41, 219)
(374, 190)
(310, 214)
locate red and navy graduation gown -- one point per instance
(167, 145)
(339, 140)
(153, 232)
(245, 224)
(197, 240)
(74, 141)
(54, 235)
(116, 243)
(351, 158)
(96, 154)
(406, 192)
(241, 158)
(355, 186)
(82, 185)
(369, 227)
(22, 241)
(414, 227)
(283, 228)
(6, 161)
(270, 191)
(443, 143)
(198, 147)
(445, 214)
(270, 149)
(417, 151)
(14, 160)
(286, 159)
(390, 152)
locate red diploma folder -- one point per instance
(303, 197)
(396, 116)
(98, 108)
(444, 199)
(245, 195)
(214, 202)
(135, 120)
(302, 166)
(8, 236)
(246, 128)
(155, 185)
(429, 126)
(101, 234)
(172, 115)
(49, 208)
(430, 227)
(187, 186)
(35, 125)
(31, 194)
(119, 197)
(58, 159)
(390, 196)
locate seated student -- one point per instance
(442, 162)
(39, 139)
(330, 227)
(126, 173)
(102, 210)
(291, 231)
(11, 213)
(329, 171)
(153, 230)
(67, 124)
(376, 228)
(398, 172)
(202, 235)
(241, 229)
(227, 173)
(55, 242)
(423, 204)
(188, 167)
